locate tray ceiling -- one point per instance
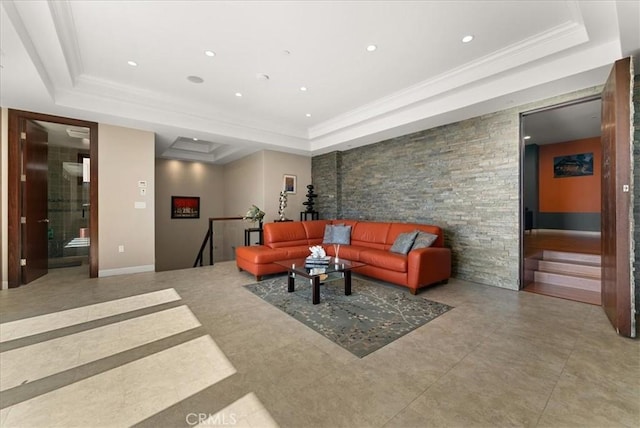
(72, 58)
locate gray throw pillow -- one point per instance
(403, 242)
(424, 240)
(328, 233)
(341, 235)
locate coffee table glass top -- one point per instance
(301, 267)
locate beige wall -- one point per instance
(178, 240)
(276, 164)
(225, 191)
(242, 188)
(125, 157)
(243, 184)
(148, 234)
(4, 191)
(258, 179)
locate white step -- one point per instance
(579, 282)
(593, 259)
(585, 270)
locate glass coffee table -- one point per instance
(319, 274)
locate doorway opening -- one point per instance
(53, 195)
(561, 201)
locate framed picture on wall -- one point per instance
(289, 183)
(185, 207)
(573, 165)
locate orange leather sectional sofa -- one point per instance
(370, 244)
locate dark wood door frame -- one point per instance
(616, 198)
(14, 190)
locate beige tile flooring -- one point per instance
(193, 347)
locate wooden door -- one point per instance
(617, 295)
(34, 202)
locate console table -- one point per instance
(315, 215)
(247, 235)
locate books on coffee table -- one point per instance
(317, 261)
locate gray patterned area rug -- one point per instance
(373, 316)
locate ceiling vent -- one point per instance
(78, 132)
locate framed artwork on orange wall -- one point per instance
(573, 165)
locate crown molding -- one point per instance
(151, 107)
(18, 24)
(441, 110)
(67, 36)
(557, 39)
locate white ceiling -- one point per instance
(70, 58)
(563, 124)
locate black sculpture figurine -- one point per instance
(310, 197)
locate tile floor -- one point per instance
(194, 348)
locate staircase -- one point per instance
(573, 276)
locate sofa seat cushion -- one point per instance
(297, 252)
(348, 252)
(261, 254)
(384, 259)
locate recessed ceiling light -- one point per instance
(238, 94)
(308, 114)
(467, 39)
(195, 139)
(527, 137)
(209, 53)
(303, 88)
(371, 48)
(262, 76)
(286, 52)
(195, 79)
(132, 63)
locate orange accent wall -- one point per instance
(569, 194)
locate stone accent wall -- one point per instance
(460, 176)
(464, 177)
(326, 173)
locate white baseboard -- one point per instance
(5, 285)
(126, 270)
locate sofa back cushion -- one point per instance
(351, 223)
(285, 234)
(315, 230)
(397, 228)
(370, 234)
